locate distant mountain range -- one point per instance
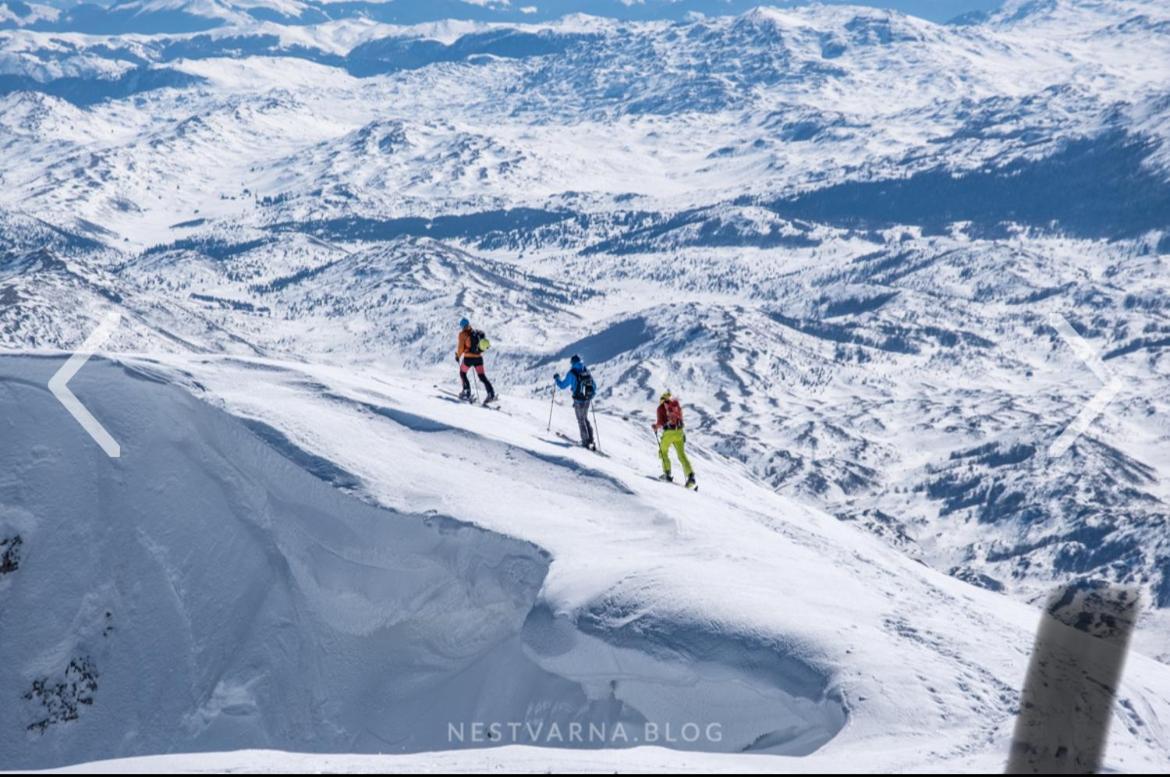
(178, 16)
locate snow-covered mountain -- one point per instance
(841, 234)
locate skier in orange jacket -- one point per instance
(469, 355)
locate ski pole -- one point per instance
(551, 401)
(596, 428)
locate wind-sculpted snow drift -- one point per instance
(207, 592)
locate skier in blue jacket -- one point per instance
(584, 389)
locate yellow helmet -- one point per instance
(665, 396)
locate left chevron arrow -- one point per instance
(59, 385)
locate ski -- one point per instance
(688, 486)
(453, 394)
(449, 394)
(577, 444)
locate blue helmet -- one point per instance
(575, 360)
(464, 323)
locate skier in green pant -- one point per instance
(670, 421)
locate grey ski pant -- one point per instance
(581, 408)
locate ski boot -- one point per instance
(465, 395)
(490, 398)
(666, 477)
(691, 484)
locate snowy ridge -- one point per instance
(882, 622)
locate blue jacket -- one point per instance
(572, 378)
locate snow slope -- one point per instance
(329, 565)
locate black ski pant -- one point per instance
(581, 408)
(474, 363)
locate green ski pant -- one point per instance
(677, 438)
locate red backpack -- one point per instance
(674, 419)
